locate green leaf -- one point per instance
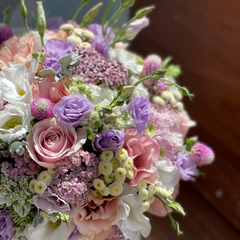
(174, 70)
(189, 144)
(7, 13)
(165, 62)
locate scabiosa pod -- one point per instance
(42, 108)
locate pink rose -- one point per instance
(49, 142)
(50, 89)
(94, 220)
(18, 50)
(145, 152)
(157, 207)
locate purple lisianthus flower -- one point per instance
(6, 225)
(72, 109)
(75, 235)
(52, 63)
(186, 167)
(5, 32)
(54, 23)
(139, 109)
(51, 203)
(108, 140)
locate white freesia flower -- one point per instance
(51, 228)
(130, 218)
(14, 86)
(169, 176)
(127, 59)
(15, 121)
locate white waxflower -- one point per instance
(167, 95)
(120, 174)
(46, 177)
(127, 164)
(107, 155)
(98, 184)
(130, 174)
(40, 187)
(179, 106)
(142, 185)
(115, 189)
(146, 206)
(158, 100)
(52, 170)
(143, 194)
(14, 84)
(105, 168)
(15, 121)
(115, 163)
(151, 199)
(109, 178)
(105, 191)
(152, 189)
(177, 95)
(32, 185)
(121, 154)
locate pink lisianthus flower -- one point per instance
(95, 218)
(145, 152)
(18, 50)
(49, 142)
(49, 88)
(157, 208)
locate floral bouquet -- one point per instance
(92, 136)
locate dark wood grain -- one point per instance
(204, 37)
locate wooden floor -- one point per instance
(201, 222)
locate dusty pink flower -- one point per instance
(56, 34)
(49, 142)
(18, 50)
(145, 152)
(94, 220)
(49, 88)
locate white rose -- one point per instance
(15, 121)
(130, 218)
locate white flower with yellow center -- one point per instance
(146, 206)
(40, 187)
(120, 174)
(52, 170)
(107, 155)
(115, 189)
(143, 194)
(105, 168)
(98, 184)
(109, 178)
(142, 185)
(121, 154)
(127, 164)
(105, 191)
(15, 121)
(151, 199)
(32, 185)
(115, 163)
(46, 177)
(152, 189)
(130, 174)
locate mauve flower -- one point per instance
(139, 109)
(52, 63)
(108, 140)
(49, 142)
(6, 226)
(75, 235)
(51, 203)
(72, 109)
(101, 44)
(54, 22)
(186, 167)
(5, 32)
(145, 152)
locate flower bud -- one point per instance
(127, 3)
(156, 75)
(91, 14)
(158, 100)
(144, 12)
(41, 19)
(177, 207)
(127, 91)
(162, 193)
(67, 27)
(85, 2)
(23, 9)
(151, 63)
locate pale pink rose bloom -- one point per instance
(95, 218)
(145, 152)
(18, 50)
(157, 207)
(49, 88)
(184, 123)
(49, 142)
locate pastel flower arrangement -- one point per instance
(92, 136)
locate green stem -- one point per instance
(142, 80)
(26, 24)
(105, 17)
(42, 40)
(75, 15)
(164, 204)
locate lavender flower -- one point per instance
(5, 33)
(72, 109)
(108, 140)
(186, 167)
(75, 235)
(139, 109)
(42, 108)
(54, 23)
(97, 70)
(6, 226)
(52, 63)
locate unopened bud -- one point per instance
(158, 100)
(127, 91)
(23, 9)
(85, 2)
(127, 3)
(162, 193)
(156, 75)
(67, 27)
(144, 12)
(91, 14)
(41, 19)
(177, 207)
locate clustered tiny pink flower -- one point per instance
(97, 70)
(42, 108)
(202, 154)
(74, 177)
